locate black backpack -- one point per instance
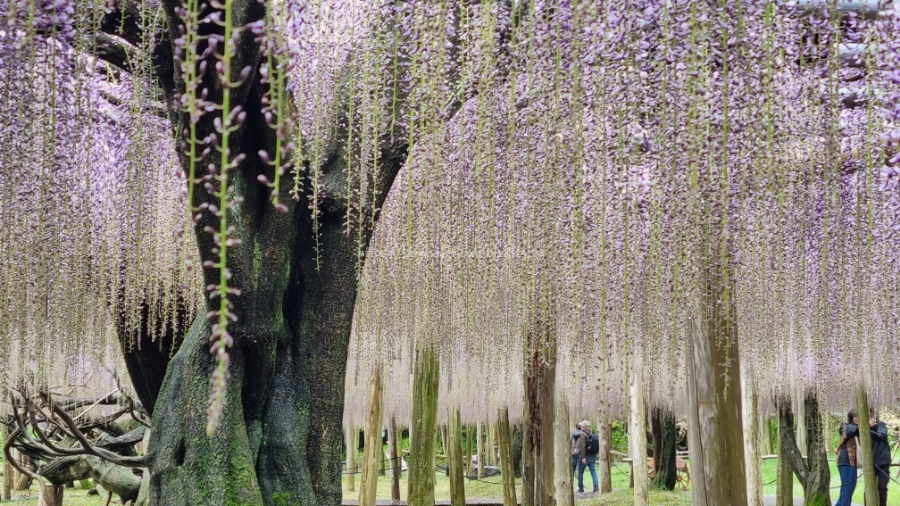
(593, 445)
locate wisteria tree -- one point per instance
(643, 181)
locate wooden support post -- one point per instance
(374, 452)
(396, 464)
(470, 442)
(455, 458)
(637, 438)
(800, 418)
(508, 473)
(604, 463)
(715, 376)
(352, 443)
(865, 443)
(750, 405)
(424, 427)
(6, 488)
(528, 467)
(480, 446)
(564, 489)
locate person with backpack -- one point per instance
(578, 444)
(589, 456)
(881, 455)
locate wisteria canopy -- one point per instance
(252, 177)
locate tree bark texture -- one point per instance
(396, 464)
(604, 463)
(812, 472)
(540, 385)
(695, 450)
(870, 480)
(424, 429)
(507, 463)
(750, 405)
(517, 449)
(279, 441)
(637, 438)
(564, 490)
(51, 495)
(373, 456)
(470, 443)
(664, 450)
(455, 458)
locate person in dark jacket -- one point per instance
(846, 458)
(881, 455)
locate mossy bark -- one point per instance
(480, 446)
(455, 458)
(664, 449)
(373, 456)
(528, 468)
(870, 480)
(506, 458)
(423, 430)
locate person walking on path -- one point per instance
(589, 457)
(881, 455)
(579, 452)
(846, 458)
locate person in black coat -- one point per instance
(881, 455)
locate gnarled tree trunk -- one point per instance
(813, 472)
(664, 449)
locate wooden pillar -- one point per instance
(445, 443)
(564, 489)
(604, 463)
(396, 463)
(637, 438)
(470, 443)
(51, 495)
(6, 488)
(480, 446)
(352, 443)
(800, 417)
(424, 428)
(698, 476)
(373, 454)
(750, 405)
(716, 408)
(528, 466)
(455, 458)
(865, 441)
(507, 473)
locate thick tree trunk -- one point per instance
(373, 457)
(870, 480)
(637, 439)
(750, 404)
(543, 414)
(352, 441)
(564, 489)
(664, 450)
(813, 472)
(506, 458)
(695, 442)
(423, 430)
(604, 463)
(396, 463)
(455, 458)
